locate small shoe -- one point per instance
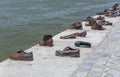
(103, 22)
(47, 41)
(82, 34)
(91, 22)
(88, 18)
(21, 55)
(68, 37)
(100, 18)
(82, 44)
(77, 25)
(73, 36)
(68, 51)
(97, 26)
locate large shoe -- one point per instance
(68, 51)
(47, 41)
(88, 19)
(82, 44)
(21, 55)
(90, 22)
(77, 25)
(103, 22)
(97, 26)
(100, 18)
(68, 37)
(73, 36)
(82, 34)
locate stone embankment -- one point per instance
(102, 60)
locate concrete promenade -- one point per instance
(105, 60)
(102, 60)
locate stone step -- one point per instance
(94, 65)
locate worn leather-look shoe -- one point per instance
(82, 34)
(82, 44)
(68, 51)
(88, 19)
(90, 22)
(100, 18)
(105, 23)
(21, 55)
(47, 41)
(73, 36)
(68, 37)
(77, 25)
(97, 26)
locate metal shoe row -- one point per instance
(48, 41)
(94, 23)
(114, 11)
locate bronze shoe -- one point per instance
(47, 41)
(77, 25)
(68, 37)
(100, 18)
(103, 22)
(73, 36)
(88, 19)
(90, 22)
(68, 51)
(21, 55)
(97, 26)
(82, 34)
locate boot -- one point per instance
(90, 22)
(47, 41)
(47, 37)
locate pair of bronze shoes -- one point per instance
(95, 25)
(21, 55)
(91, 19)
(100, 18)
(77, 25)
(91, 22)
(88, 19)
(47, 41)
(73, 36)
(103, 22)
(68, 51)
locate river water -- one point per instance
(24, 22)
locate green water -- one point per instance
(24, 22)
